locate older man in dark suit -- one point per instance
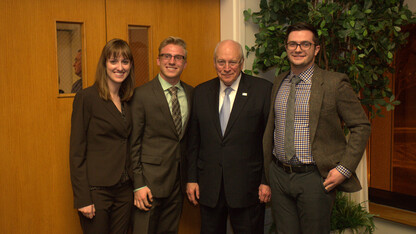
(226, 175)
(160, 111)
(306, 154)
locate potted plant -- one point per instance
(350, 217)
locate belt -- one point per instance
(288, 168)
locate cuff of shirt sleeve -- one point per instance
(137, 189)
(344, 171)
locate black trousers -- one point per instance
(112, 210)
(300, 203)
(163, 216)
(247, 220)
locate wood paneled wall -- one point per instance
(36, 194)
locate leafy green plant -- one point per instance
(358, 37)
(349, 214)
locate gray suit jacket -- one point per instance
(332, 102)
(157, 150)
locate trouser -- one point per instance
(300, 203)
(163, 216)
(247, 220)
(112, 210)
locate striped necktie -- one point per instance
(176, 109)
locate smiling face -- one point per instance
(228, 61)
(171, 69)
(301, 59)
(118, 69)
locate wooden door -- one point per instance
(36, 194)
(197, 22)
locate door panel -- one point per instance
(34, 138)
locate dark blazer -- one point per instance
(236, 158)
(332, 102)
(99, 146)
(157, 150)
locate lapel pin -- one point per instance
(244, 94)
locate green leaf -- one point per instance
(247, 14)
(263, 4)
(404, 17)
(319, 32)
(277, 71)
(248, 72)
(390, 55)
(397, 28)
(323, 23)
(352, 23)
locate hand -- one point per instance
(143, 198)
(265, 193)
(192, 190)
(333, 180)
(88, 211)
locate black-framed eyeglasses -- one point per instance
(304, 45)
(177, 57)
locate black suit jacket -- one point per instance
(99, 146)
(237, 158)
(157, 149)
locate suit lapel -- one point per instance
(315, 101)
(116, 118)
(187, 90)
(240, 100)
(213, 105)
(160, 99)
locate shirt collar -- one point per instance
(165, 85)
(305, 76)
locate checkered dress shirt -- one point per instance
(301, 136)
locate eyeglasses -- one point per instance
(233, 64)
(177, 57)
(304, 45)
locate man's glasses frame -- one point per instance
(178, 57)
(304, 45)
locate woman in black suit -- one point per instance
(99, 149)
